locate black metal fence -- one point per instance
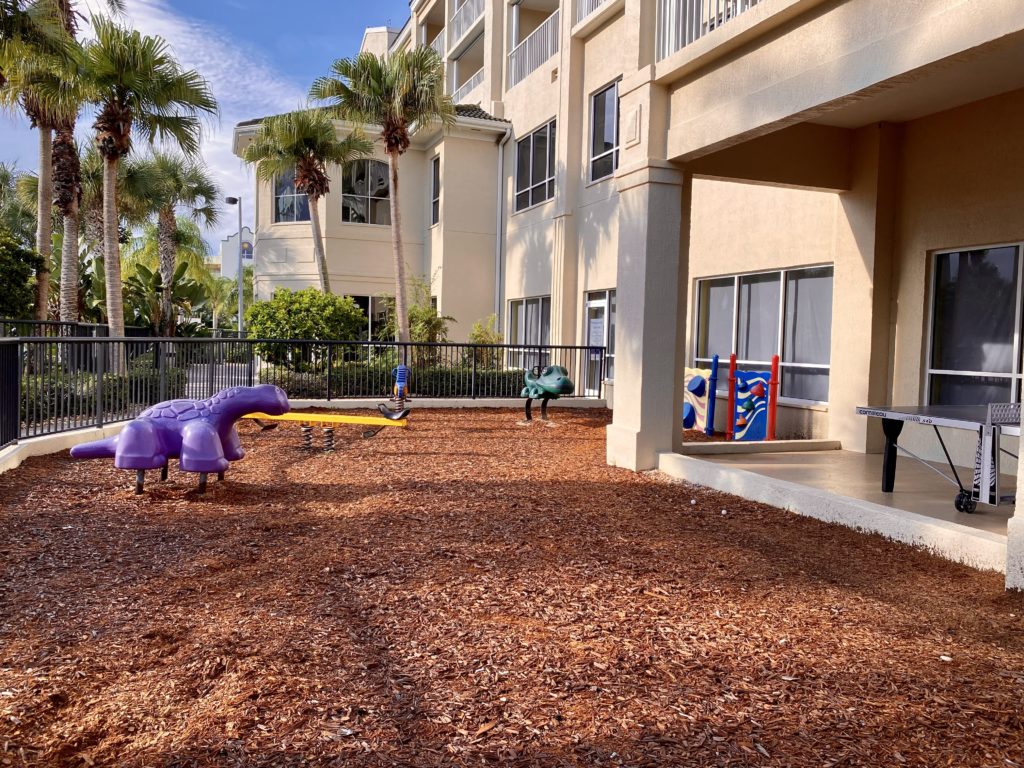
(58, 329)
(56, 384)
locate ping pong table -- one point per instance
(989, 422)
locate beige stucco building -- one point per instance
(834, 181)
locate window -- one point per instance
(975, 357)
(786, 313)
(289, 204)
(535, 167)
(376, 310)
(435, 191)
(600, 332)
(366, 193)
(529, 324)
(604, 132)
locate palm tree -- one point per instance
(393, 92)
(219, 299)
(28, 28)
(180, 183)
(136, 189)
(190, 249)
(16, 216)
(305, 142)
(27, 85)
(67, 172)
(143, 266)
(137, 83)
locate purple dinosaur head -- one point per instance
(266, 398)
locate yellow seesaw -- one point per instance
(326, 421)
(321, 419)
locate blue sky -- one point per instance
(259, 56)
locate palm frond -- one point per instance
(397, 92)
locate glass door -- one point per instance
(597, 310)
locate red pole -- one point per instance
(773, 397)
(730, 421)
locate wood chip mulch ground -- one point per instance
(469, 592)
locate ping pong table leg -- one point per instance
(891, 428)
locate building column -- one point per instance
(563, 280)
(1015, 538)
(654, 204)
(862, 332)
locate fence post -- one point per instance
(161, 365)
(250, 359)
(330, 364)
(472, 385)
(210, 370)
(101, 369)
(10, 395)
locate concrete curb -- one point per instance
(14, 455)
(978, 549)
(489, 402)
(773, 446)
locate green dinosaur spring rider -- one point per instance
(545, 384)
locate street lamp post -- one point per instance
(238, 201)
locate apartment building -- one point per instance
(834, 181)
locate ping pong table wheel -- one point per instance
(964, 503)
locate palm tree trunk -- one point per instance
(112, 259)
(318, 245)
(94, 232)
(167, 247)
(396, 246)
(44, 223)
(69, 269)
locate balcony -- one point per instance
(464, 18)
(540, 46)
(468, 87)
(586, 7)
(438, 44)
(680, 22)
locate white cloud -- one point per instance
(246, 86)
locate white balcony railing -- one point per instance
(467, 87)
(540, 46)
(438, 44)
(465, 17)
(586, 7)
(680, 22)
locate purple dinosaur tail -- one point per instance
(97, 449)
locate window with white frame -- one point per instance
(435, 190)
(535, 167)
(974, 356)
(786, 313)
(529, 323)
(366, 193)
(289, 203)
(604, 132)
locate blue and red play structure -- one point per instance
(753, 399)
(752, 404)
(700, 385)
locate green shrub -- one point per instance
(485, 332)
(17, 266)
(306, 314)
(355, 380)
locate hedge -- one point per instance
(57, 394)
(355, 380)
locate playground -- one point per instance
(466, 591)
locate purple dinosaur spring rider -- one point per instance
(201, 434)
